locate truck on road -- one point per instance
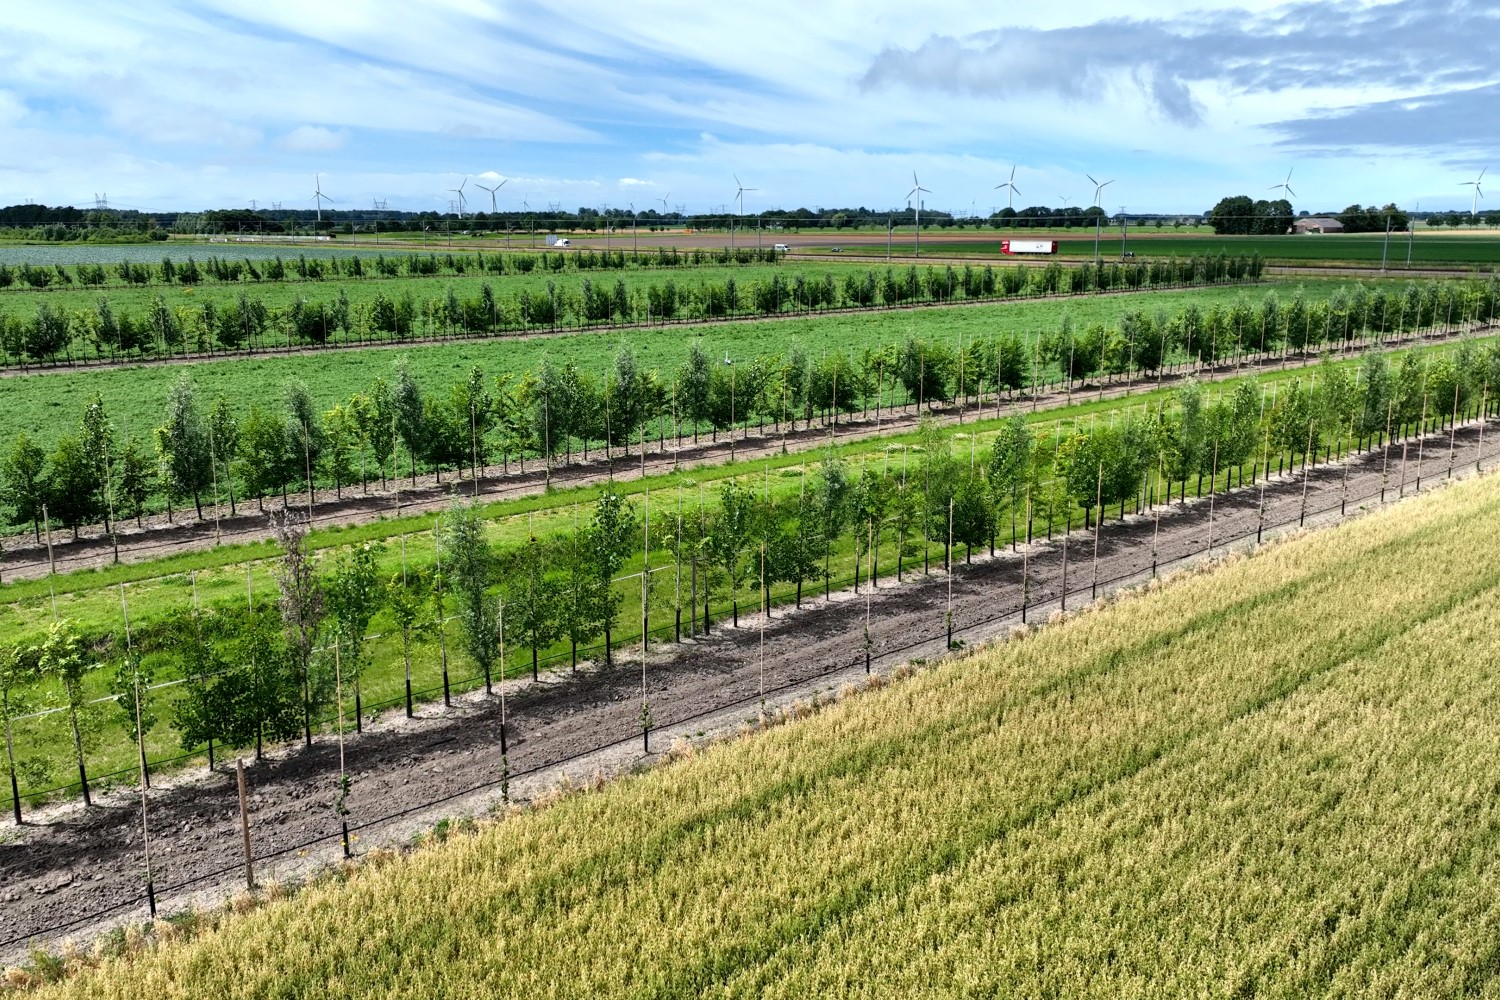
(1028, 246)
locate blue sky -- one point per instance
(186, 106)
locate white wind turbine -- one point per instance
(460, 192)
(1098, 187)
(1285, 187)
(740, 194)
(1098, 217)
(1011, 191)
(918, 190)
(319, 196)
(664, 203)
(1478, 192)
(492, 191)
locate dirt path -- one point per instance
(24, 559)
(75, 863)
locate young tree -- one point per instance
(224, 439)
(305, 437)
(206, 713)
(907, 506)
(407, 595)
(375, 414)
(628, 398)
(409, 413)
(584, 598)
(1187, 434)
(731, 535)
(512, 430)
(475, 410)
(1009, 467)
(342, 437)
(973, 513)
(131, 687)
(98, 438)
(870, 503)
(18, 669)
(353, 594)
(137, 481)
(182, 443)
(470, 566)
(24, 487)
(531, 598)
(612, 535)
(64, 657)
(265, 459)
(693, 380)
(72, 485)
(302, 608)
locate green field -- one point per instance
(1274, 779)
(45, 404)
(1428, 249)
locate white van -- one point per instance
(563, 242)
(782, 248)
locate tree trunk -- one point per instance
(83, 775)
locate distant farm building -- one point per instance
(1316, 225)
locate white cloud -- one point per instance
(312, 139)
(400, 99)
(12, 108)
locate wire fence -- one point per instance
(1145, 564)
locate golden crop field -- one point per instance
(1275, 778)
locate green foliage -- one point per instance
(470, 568)
(354, 590)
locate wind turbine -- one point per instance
(740, 194)
(492, 191)
(1098, 216)
(319, 196)
(1285, 186)
(918, 190)
(1098, 188)
(1011, 192)
(664, 203)
(460, 192)
(1478, 192)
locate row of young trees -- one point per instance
(397, 425)
(45, 332)
(226, 270)
(253, 674)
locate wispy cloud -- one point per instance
(312, 139)
(1442, 50)
(219, 101)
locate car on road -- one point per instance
(782, 248)
(835, 249)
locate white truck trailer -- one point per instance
(1028, 246)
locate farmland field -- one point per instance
(1274, 778)
(219, 579)
(38, 404)
(1428, 249)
